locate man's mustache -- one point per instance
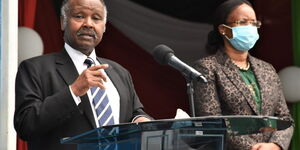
(89, 32)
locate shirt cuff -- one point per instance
(76, 99)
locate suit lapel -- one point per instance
(234, 76)
(67, 70)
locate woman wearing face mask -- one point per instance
(238, 83)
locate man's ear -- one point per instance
(62, 23)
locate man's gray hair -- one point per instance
(65, 8)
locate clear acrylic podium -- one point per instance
(207, 133)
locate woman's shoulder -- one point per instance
(261, 63)
(206, 62)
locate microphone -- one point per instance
(165, 55)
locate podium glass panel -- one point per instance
(207, 133)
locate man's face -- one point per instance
(85, 24)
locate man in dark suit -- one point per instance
(54, 96)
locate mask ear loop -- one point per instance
(223, 33)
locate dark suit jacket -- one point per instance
(227, 94)
(45, 109)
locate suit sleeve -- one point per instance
(205, 95)
(138, 109)
(36, 113)
(282, 137)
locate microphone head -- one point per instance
(162, 54)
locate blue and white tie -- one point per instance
(101, 102)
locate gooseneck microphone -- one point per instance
(165, 55)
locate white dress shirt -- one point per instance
(78, 59)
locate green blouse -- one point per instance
(250, 80)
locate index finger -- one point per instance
(97, 67)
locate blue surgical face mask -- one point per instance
(243, 37)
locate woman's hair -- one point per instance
(214, 38)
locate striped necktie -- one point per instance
(100, 102)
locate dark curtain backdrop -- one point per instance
(275, 44)
(48, 26)
(161, 88)
(26, 13)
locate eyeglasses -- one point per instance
(256, 23)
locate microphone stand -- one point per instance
(190, 92)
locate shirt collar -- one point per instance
(78, 56)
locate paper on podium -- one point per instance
(180, 114)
